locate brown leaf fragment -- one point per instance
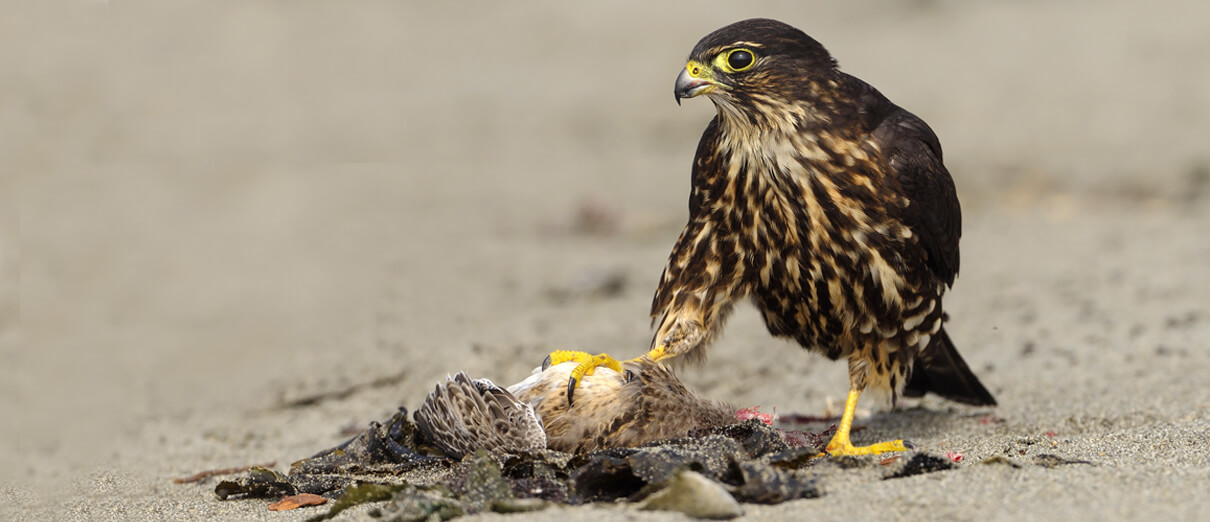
(296, 501)
(889, 460)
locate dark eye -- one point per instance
(740, 59)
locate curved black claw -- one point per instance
(909, 444)
(546, 363)
(629, 376)
(571, 390)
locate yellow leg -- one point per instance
(588, 363)
(840, 444)
(657, 353)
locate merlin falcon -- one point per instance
(828, 207)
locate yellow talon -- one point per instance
(840, 444)
(587, 364)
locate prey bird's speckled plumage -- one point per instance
(462, 415)
(644, 403)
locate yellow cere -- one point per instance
(695, 69)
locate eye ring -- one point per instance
(740, 59)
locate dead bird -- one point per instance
(644, 403)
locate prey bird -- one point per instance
(825, 204)
(644, 403)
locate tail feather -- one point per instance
(939, 369)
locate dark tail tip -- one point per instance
(939, 369)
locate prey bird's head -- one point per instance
(755, 66)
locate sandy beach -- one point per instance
(233, 233)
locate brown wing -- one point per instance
(913, 155)
(462, 415)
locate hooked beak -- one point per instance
(693, 80)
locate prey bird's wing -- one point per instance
(462, 415)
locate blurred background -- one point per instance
(216, 207)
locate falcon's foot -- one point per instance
(842, 446)
(587, 364)
(839, 448)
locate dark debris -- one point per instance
(391, 461)
(259, 483)
(920, 464)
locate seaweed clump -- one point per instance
(392, 462)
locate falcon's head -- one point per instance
(757, 67)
